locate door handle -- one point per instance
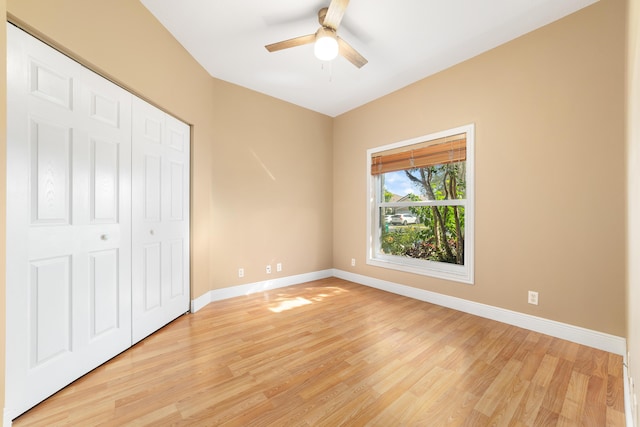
(104, 237)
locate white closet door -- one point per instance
(160, 208)
(68, 221)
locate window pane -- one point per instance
(439, 182)
(397, 185)
(436, 235)
(394, 217)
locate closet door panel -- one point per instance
(50, 172)
(49, 309)
(160, 209)
(104, 285)
(68, 221)
(152, 276)
(177, 262)
(50, 83)
(105, 176)
(176, 191)
(151, 188)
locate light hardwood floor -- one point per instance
(331, 353)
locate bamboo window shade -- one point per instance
(450, 149)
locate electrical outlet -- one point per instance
(353, 262)
(279, 266)
(241, 272)
(268, 269)
(533, 297)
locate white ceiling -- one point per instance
(404, 41)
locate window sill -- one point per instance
(456, 273)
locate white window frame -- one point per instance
(442, 270)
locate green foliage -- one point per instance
(399, 240)
(441, 235)
(417, 242)
(440, 182)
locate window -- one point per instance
(421, 205)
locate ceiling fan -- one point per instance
(327, 43)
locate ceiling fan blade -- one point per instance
(296, 41)
(350, 53)
(335, 13)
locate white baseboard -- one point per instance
(250, 288)
(595, 339)
(628, 398)
(7, 418)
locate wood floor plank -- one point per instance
(575, 399)
(477, 378)
(557, 389)
(331, 352)
(533, 350)
(504, 381)
(432, 398)
(507, 407)
(615, 385)
(595, 409)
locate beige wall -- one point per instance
(271, 177)
(550, 169)
(633, 191)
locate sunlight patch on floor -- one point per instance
(289, 304)
(284, 302)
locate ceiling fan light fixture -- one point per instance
(326, 45)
